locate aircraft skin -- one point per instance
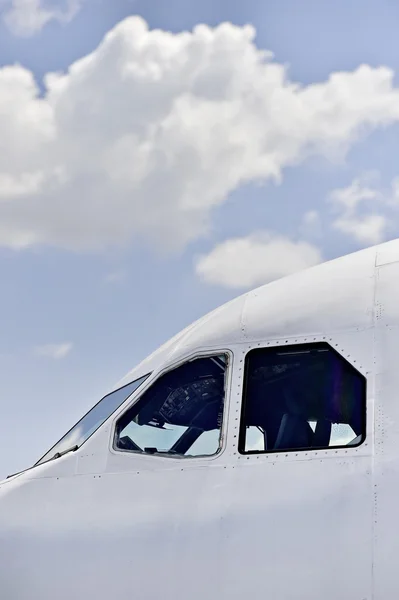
(103, 523)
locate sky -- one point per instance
(155, 159)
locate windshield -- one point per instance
(93, 419)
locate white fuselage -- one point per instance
(318, 524)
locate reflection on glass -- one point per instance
(93, 419)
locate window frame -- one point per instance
(153, 380)
(316, 345)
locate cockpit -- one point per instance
(299, 397)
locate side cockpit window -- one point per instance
(181, 414)
(301, 398)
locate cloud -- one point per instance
(311, 219)
(349, 202)
(117, 276)
(311, 226)
(350, 197)
(395, 191)
(144, 137)
(254, 260)
(369, 229)
(55, 351)
(28, 17)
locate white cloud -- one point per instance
(348, 203)
(369, 229)
(117, 276)
(145, 136)
(27, 17)
(311, 218)
(254, 260)
(311, 226)
(395, 191)
(55, 351)
(350, 197)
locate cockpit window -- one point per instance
(93, 419)
(181, 414)
(300, 398)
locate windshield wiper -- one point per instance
(59, 454)
(56, 455)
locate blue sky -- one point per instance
(148, 184)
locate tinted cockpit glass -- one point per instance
(299, 398)
(181, 414)
(93, 419)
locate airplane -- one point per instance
(254, 455)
